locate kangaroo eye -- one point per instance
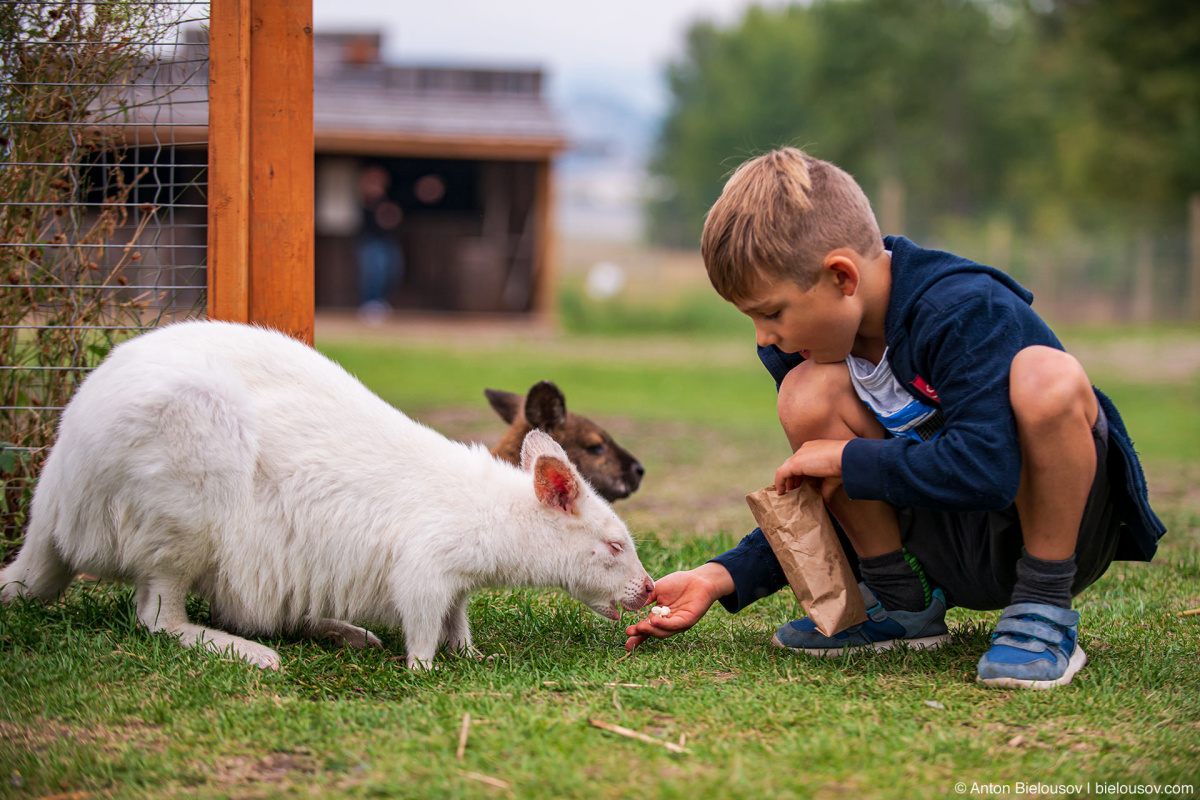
(596, 449)
(615, 548)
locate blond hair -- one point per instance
(778, 217)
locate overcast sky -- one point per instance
(616, 45)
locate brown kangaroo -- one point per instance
(610, 469)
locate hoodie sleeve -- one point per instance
(755, 571)
(965, 352)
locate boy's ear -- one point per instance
(842, 266)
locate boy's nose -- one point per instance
(763, 338)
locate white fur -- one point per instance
(240, 464)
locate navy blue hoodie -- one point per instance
(952, 330)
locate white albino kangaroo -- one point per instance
(238, 463)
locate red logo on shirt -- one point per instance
(925, 389)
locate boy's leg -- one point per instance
(1034, 645)
(1055, 408)
(818, 401)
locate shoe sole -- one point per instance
(923, 643)
(1078, 659)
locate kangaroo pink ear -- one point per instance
(537, 444)
(554, 479)
(555, 483)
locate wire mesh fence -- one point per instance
(103, 160)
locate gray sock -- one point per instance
(897, 580)
(1040, 581)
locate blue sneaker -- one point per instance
(883, 630)
(1034, 646)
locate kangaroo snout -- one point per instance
(638, 595)
(646, 593)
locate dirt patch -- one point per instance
(1169, 359)
(39, 736)
(274, 768)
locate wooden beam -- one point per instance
(229, 161)
(402, 144)
(545, 247)
(281, 160)
(1194, 257)
(260, 234)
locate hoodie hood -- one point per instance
(915, 270)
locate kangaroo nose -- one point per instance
(648, 586)
(638, 469)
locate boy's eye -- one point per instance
(772, 316)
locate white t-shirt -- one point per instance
(898, 411)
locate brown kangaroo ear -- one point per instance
(506, 404)
(545, 406)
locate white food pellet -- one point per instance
(662, 611)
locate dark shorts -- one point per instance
(972, 555)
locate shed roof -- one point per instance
(370, 108)
(436, 111)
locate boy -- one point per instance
(964, 455)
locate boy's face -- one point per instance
(818, 323)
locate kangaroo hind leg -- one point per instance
(341, 633)
(38, 571)
(160, 607)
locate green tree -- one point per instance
(935, 97)
(735, 93)
(1133, 144)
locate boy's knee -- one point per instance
(811, 400)
(1047, 384)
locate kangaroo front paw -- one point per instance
(259, 656)
(421, 664)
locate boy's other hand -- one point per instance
(819, 459)
(688, 594)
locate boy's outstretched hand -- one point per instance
(688, 594)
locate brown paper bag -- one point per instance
(803, 539)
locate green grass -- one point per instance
(1165, 419)
(671, 383)
(94, 703)
(696, 312)
(91, 703)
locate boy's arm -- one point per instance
(755, 571)
(975, 464)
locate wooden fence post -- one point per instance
(1194, 257)
(260, 156)
(545, 260)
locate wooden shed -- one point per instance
(467, 154)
